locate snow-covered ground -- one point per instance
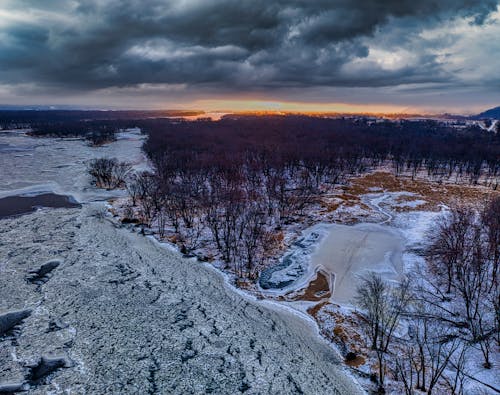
(130, 310)
(125, 314)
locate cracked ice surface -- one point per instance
(139, 318)
(35, 165)
(130, 316)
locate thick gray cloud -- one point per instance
(231, 45)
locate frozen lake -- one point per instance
(349, 252)
(344, 254)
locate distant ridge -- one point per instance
(491, 113)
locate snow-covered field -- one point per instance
(123, 313)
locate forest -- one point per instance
(239, 180)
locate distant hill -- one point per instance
(491, 113)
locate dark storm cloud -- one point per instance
(220, 44)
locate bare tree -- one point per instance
(108, 172)
(440, 346)
(382, 306)
(161, 220)
(252, 222)
(371, 297)
(465, 246)
(133, 188)
(491, 221)
(407, 367)
(147, 186)
(459, 376)
(449, 241)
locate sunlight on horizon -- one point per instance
(242, 105)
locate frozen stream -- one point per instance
(123, 313)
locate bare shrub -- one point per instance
(108, 173)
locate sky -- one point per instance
(299, 55)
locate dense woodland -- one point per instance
(242, 178)
(324, 145)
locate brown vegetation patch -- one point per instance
(345, 332)
(330, 206)
(174, 239)
(317, 289)
(313, 311)
(244, 284)
(434, 193)
(356, 362)
(349, 197)
(274, 242)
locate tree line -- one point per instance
(96, 132)
(320, 144)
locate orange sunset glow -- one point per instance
(243, 105)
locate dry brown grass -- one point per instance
(317, 289)
(356, 362)
(313, 311)
(345, 332)
(433, 193)
(245, 284)
(330, 206)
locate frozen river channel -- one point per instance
(111, 311)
